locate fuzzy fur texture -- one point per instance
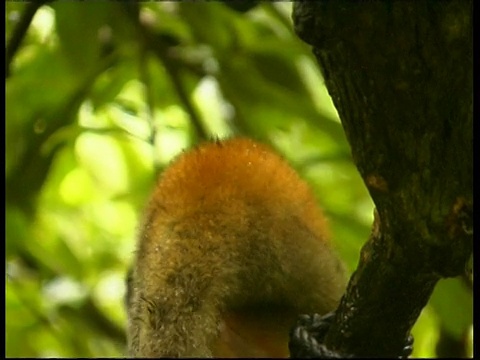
(230, 226)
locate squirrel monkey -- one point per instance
(232, 249)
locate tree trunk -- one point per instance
(400, 75)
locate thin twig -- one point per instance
(160, 49)
(19, 32)
(150, 100)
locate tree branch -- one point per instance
(20, 31)
(161, 48)
(406, 108)
(27, 177)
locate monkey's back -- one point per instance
(233, 175)
(232, 229)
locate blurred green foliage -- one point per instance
(100, 97)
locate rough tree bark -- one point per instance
(400, 75)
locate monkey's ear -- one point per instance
(129, 290)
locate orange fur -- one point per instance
(231, 231)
